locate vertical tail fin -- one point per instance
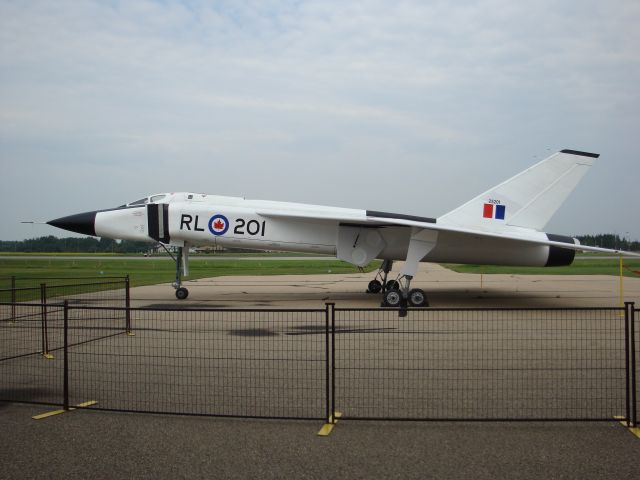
(528, 199)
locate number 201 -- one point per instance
(253, 227)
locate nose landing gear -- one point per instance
(181, 292)
(181, 269)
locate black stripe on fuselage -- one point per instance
(400, 216)
(371, 225)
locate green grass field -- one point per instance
(158, 255)
(150, 271)
(591, 266)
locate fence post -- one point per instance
(66, 356)
(627, 415)
(127, 305)
(333, 362)
(326, 363)
(13, 298)
(632, 338)
(43, 317)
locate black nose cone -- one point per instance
(84, 223)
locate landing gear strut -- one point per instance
(422, 241)
(181, 292)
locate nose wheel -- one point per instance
(182, 293)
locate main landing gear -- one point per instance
(380, 283)
(396, 293)
(422, 241)
(403, 295)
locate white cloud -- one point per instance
(439, 99)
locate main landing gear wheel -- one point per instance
(379, 283)
(392, 298)
(393, 285)
(417, 298)
(374, 287)
(182, 293)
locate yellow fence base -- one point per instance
(327, 428)
(58, 412)
(625, 424)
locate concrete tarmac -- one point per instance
(444, 288)
(99, 444)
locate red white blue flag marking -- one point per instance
(494, 211)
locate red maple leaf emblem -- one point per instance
(218, 224)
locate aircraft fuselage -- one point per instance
(234, 222)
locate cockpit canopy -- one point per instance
(143, 201)
(168, 198)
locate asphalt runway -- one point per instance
(102, 444)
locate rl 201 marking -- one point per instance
(185, 223)
(219, 225)
(253, 227)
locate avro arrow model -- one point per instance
(502, 226)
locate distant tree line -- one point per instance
(53, 244)
(609, 240)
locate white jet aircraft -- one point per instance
(502, 226)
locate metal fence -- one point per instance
(241, 363)
(30, 328)
(226, 363)
(499, 364)
(104, 291)
(432, 364)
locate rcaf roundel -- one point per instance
(218, 225)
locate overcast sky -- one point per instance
(411, 107)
